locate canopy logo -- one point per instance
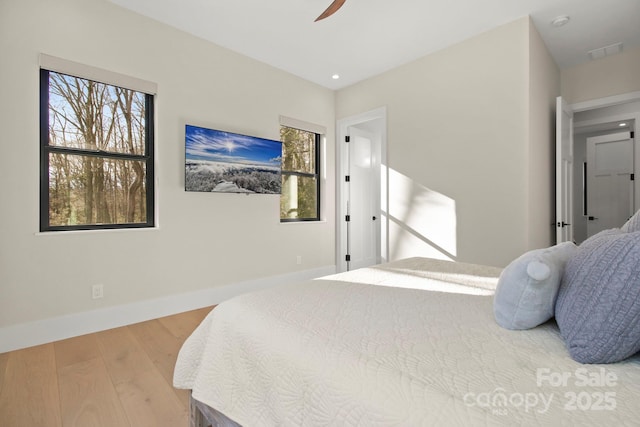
(592, 397)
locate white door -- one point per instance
(610, 185)
(564, 171)
(363, 199)
(362, 239)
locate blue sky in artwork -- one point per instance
(219, 146)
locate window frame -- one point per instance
(148, 157)
(316, 175)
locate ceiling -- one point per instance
(368, 37)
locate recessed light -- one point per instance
(622, 124)
(559, 21)
(335, 76)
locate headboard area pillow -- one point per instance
(598, 309)
(528, 287)
(633, 224)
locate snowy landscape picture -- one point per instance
(225, 162)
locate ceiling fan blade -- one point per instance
(333, 8)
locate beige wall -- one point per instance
(468, 137)
(204, 240)
(544, 87)
(612, 75)
(469, 127)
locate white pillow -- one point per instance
(633, 224)
(527, 288)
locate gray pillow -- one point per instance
(528, 287)
(598, 305)
(633, 224)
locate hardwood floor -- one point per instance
(119, 377)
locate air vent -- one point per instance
(601, 52)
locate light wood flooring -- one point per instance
(119, 377)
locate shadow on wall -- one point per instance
(422, 222)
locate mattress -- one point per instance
(412, 342)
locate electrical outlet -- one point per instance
(96, 291)
(299, 259)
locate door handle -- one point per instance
(592, 218)
(374, 218)
(563, 224)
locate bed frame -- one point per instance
(201, 415)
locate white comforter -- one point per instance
(354, 350)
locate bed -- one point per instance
(411, 342)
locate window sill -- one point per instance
(106, 230)
(322, 221)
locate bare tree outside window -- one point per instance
(96, 155)
(300, 198)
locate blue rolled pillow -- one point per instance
(598, 304)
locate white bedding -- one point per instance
(339, 351)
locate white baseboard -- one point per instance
(44, 331)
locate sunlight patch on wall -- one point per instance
(422, 222)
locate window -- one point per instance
(300, 199)
(96, 155)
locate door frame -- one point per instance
(564, 171)
(610, 101)
(380, 116)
